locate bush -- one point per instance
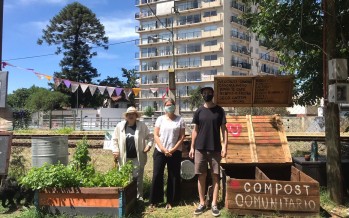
(149, 111)
(78, 173)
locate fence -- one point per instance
(305, 124)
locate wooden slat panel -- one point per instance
(273, 187)
(278, 203)
(264, 135)
(259, 175)
(272, 213)
(81, 200)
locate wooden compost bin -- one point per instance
(110, 201)
(258, 177)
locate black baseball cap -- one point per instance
(206, 88)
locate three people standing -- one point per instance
(206, 146)
(169, 133)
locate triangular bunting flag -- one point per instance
(118, 91)
(136, 91)
(127, 92)
(92, 89)
(39, 75)
(164, 95)
(83, 87)
(101, 89)
(110, 90)
(153, 90)
(74, 86)
(57, 81)
(67, 83)
(48, 77)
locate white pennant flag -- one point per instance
(83, 87)
(153, 90)
(92, 89)
(110, 90)
(101, 89)
(74, 87)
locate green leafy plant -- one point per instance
(78, 173)
(64, 131)
(149, 111)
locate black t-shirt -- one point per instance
(130, 141)
(209, 121)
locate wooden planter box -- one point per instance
(258, 176)
(111, 201)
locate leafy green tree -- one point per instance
(294, 28)
(17, 99)
(195, 100)
(112, 81)
(131, 77)
(46, 100)
(74, 31)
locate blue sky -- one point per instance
(22, 26)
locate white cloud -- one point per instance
(117, 28)
(105, 55)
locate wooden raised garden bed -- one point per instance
(111, 201)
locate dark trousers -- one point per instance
(173, 179)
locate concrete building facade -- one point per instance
(203, 38)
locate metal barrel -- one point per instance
(51, 150)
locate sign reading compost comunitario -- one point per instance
(249, 91)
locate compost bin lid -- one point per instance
(256, 139)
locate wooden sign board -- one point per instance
(253, 91)
(5, 151)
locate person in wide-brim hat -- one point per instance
(132, 140)
(132, 110)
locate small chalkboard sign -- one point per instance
(253, 91)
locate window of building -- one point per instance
(188, 34)
(210, 57)
(210, 28)
(210, 13)
(210, 42)
(193, 76)
(210, 72)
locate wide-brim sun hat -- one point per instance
(132, 110)
(206, 88)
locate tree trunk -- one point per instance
(333, 167)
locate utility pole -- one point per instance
(333, 167)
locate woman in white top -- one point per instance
(169, 134)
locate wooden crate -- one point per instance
(258, 173)
(110, 201)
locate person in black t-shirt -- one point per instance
(132, 140)
(206, 146)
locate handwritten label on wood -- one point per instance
(258, 91)
(273, 195)
(234, 91)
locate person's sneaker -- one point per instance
(200, 209)
(215, 211)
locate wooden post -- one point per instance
(334, 175)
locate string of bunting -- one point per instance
(84, 86)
